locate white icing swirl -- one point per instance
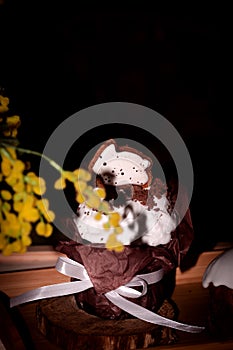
(153, 226)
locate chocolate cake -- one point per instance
(151, 237)
(218, 278)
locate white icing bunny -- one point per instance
(121, 168)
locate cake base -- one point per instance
(69, 327)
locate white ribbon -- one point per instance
(73, 269)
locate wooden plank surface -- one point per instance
(21, 280)
(45, 256)
(195, 273)
(36, 257)
(191, 298)
(192, 301)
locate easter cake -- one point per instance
(152, 240)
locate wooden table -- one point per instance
(191, 298)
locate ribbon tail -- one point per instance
(149, 316)
(71, 268)
(54, 290)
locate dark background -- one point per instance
(55, 63)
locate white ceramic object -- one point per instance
(220, 271)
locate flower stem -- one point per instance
(24, 150)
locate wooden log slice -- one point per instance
(64, 324)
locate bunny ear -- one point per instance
(108, 153)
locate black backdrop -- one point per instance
(55, 63)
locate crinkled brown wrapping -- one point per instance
(109, 270)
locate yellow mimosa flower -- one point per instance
(49, 216)
(113, 244)
(29, 212)
(98, 216)
(93, 201)
(26, 241)
(26, 228)
(80, 186)
(11, 226)
(12, 179)
(6, 207)
(43, 206)
(18, 166)
(13, 121)
(3, 241)
(16, 174)
(106, 226)
(6, 167)
(23, 249)
(7, 250)
(40, 188)
(6, 195)
(118, 230)
(36, 184)
(60, 183)
(12, 152)
(16, 246)
(4, 102)
(19, 185)
(69, 175)
(82, 174)
(104, 207)
(101, 192)
(19, 196)
(18, 206)
(14, 133)
(114, 219)
(80, 198)
(44, 229)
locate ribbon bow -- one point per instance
(73, 269)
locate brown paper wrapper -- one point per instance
(109, 270)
